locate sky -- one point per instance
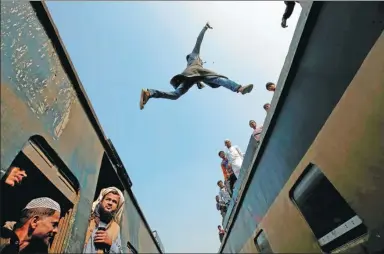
(170, 148)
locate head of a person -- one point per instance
(15, 176)
(222, 154)
(217, 198)
(227, 143)
(220, 184)
(267, 106)
(270, 86)
(252, 124)
(40, 218)
(109, 205)
(219, 227)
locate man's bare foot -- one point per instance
(245, 89)
(144, 98)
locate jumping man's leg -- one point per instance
(146, 94)
(227, 83)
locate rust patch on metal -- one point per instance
(31, 66)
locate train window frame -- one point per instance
(259, 248)
(311, 181)
(39, 157)
(132, 248)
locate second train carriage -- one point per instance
(316, 180)
(49, 128)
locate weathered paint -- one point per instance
(319, 67)
(39, 96)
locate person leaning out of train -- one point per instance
(103, 234)
(35, 230)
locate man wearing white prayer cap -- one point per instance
(103, 234)
(35, 229)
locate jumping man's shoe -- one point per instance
(246, 89)
(144, 98)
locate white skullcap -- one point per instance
(43, 203)
(227, 140)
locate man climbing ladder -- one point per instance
(194, 74)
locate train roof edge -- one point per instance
(46, 20)
(305, 24)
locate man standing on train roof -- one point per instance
(235, 157)
(103, 234)
(194, 74)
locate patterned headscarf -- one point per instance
(120, 205)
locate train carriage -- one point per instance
(316, 180)
(49, 128)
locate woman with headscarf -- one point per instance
(103, 234)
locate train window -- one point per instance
(131, 248)
(262, 243)
(37, 172)
(331, 219)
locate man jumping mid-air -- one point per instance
(194, 74)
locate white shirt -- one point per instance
(235, 156)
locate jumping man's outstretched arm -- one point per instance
(199, 40)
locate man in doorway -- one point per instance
(271, 87)
(223, 193)
(267, 106)
(194, 74)
(256, 130)
(229, 176)
(103, 234)
(235, 157)
(35, 229)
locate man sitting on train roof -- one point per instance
(35, 229)
(223, 194)
(221, 206)
(103, 234)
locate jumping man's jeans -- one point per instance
(211, 81)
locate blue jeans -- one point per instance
(211, 81)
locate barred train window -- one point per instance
(262, 244)
(331, 219)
